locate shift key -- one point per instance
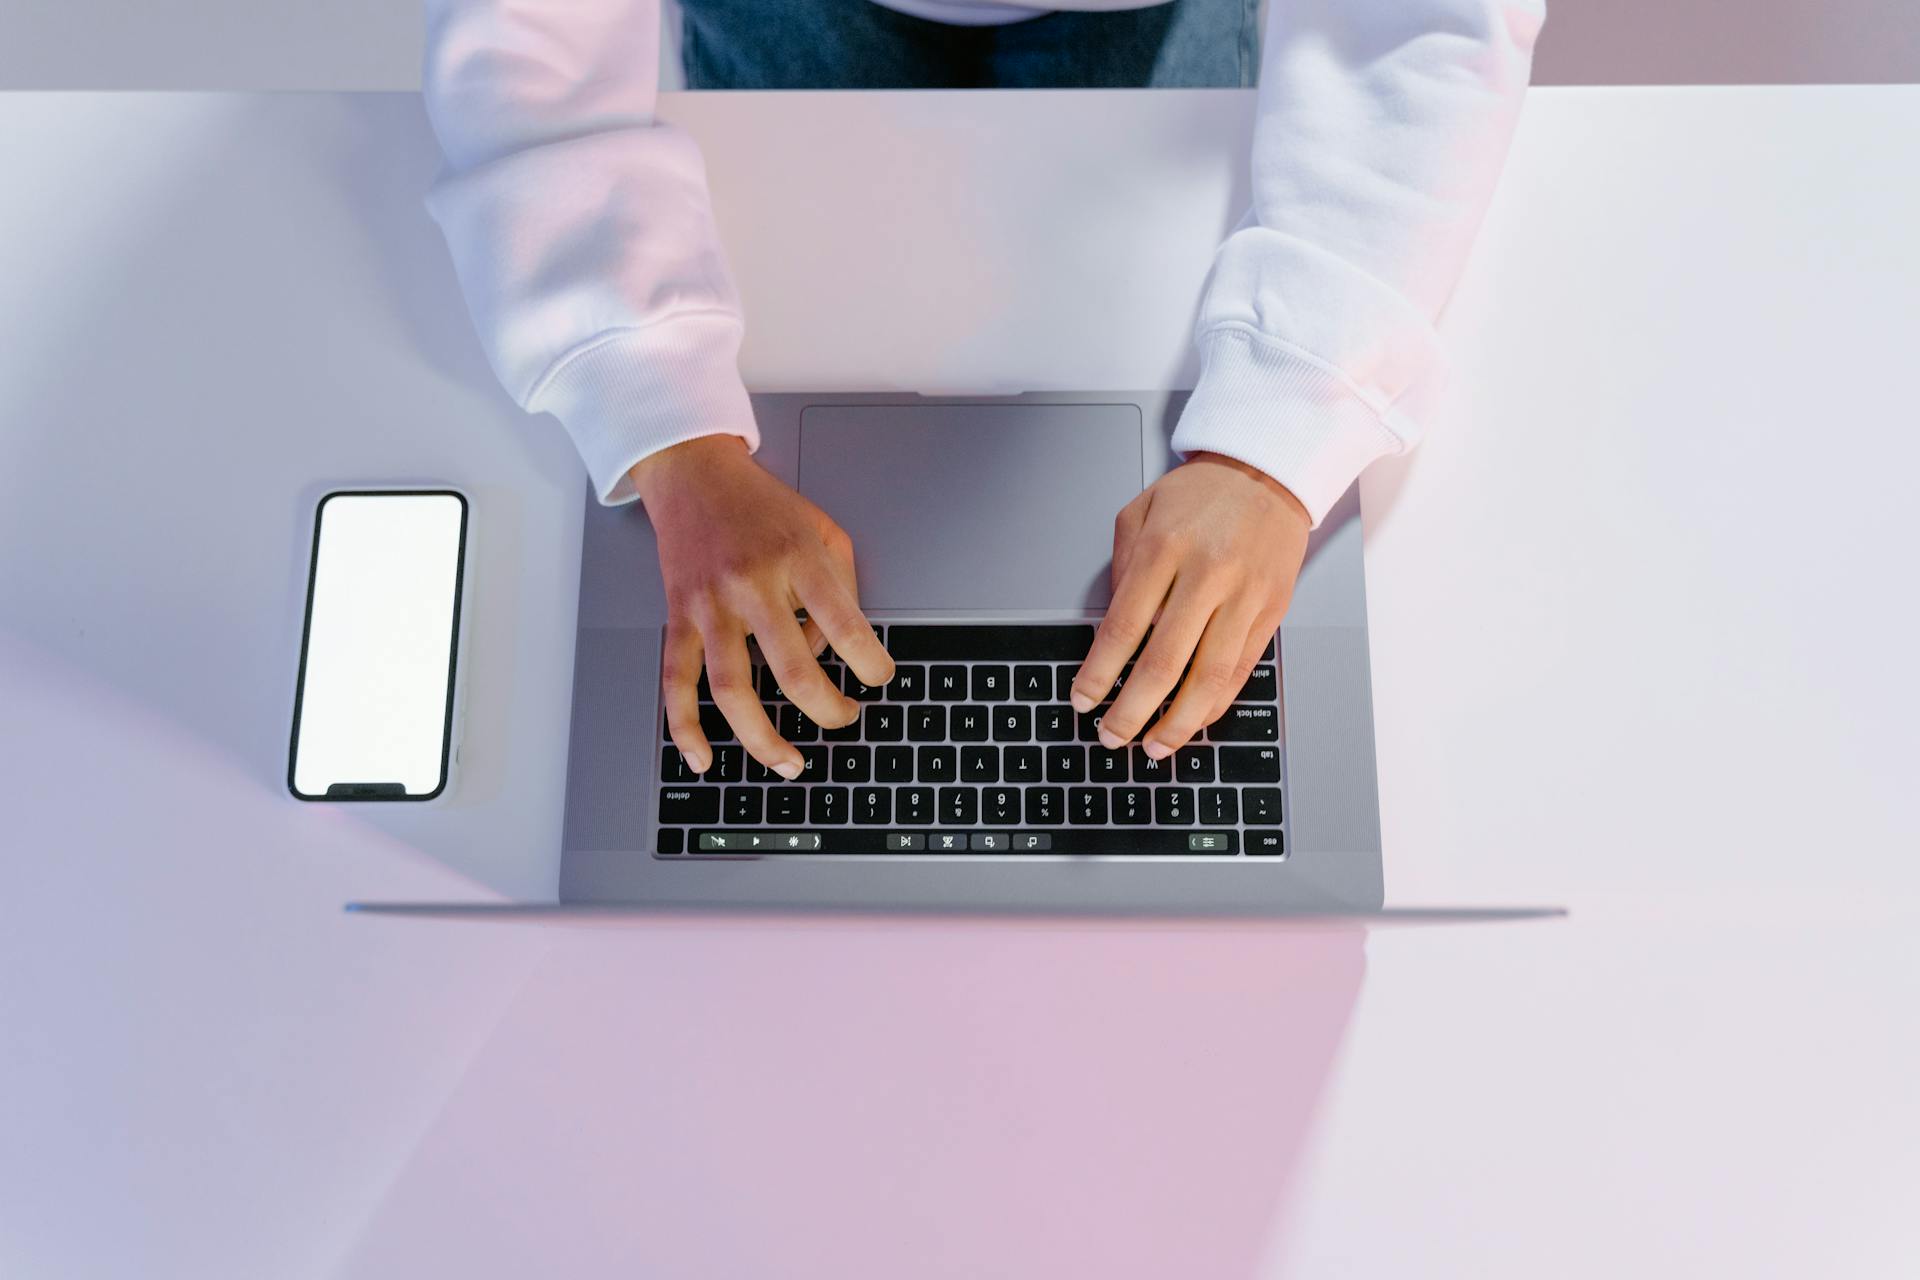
(1246, 723)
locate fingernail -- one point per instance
(1158, 750)
(1109, 739)
(788, 769)
(699, 764)
(1081, 702)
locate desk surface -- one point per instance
(1630, 654)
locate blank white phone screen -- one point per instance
(372, 707)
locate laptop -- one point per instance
(982, 529)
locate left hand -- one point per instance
(1206, 558)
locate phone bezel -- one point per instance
(453, 648)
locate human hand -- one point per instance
(1212, 548)
(740, 553)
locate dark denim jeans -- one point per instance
(856, 44)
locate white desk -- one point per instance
(1671, 689)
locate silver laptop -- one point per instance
(982, 530)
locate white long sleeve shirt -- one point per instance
(582, 235)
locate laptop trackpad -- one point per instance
(975, 507)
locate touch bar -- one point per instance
(1016, 642)
(1071, 842)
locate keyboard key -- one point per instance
(813, 763)
(714, 724)
(1270, 844)
(872, 806)
(757, 772)
(1063, 681)
(926, 723)
(1210, 842)
(1263, 806)
(935, 764)
(1147, 769)
(673, 767)
(1193, 764)
(909, 682)
(967, 724)
(826, 806)
(1086, 725)
(1246, 723)
(1020, 764)
(1249, 764)
(849, 732)
(913, 806)
(987, 842)
(852, 764)
(1051, 643)
(948, 684)
(1219, 806)
(684, 806)
(1087, 806)
(787, 806)
(1012, 723)
(1067, 763)
(852, 686)
(795, 725)
(1106, 766)
(765, 682)
(1045, 806)
(979, 764)
(884, 723)
(1032, 841)
(1054, 724)
(906, 842)
(1000, 806)
(947, 842)
(893, 764)
(959, 806)
(991, 684)
(728, 761)
(671, 840)
(741, 807)
(1032, 683)
(1173, 806)
(1261, 686)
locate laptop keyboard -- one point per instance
(973, 749)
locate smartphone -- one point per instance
(374, 708)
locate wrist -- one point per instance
(653, 474)
(1272, 486)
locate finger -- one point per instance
(816, 638)
(784, 643)
(1263, 628)
(1211, 679)
(679, 693)
(1158, 668)
(835, 608)
(1126, 531)
(730, 677)
(1135, 599)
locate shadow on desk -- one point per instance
(872, 1098)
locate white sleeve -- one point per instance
(1382, 128)
(580, 226)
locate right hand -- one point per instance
(740, 553)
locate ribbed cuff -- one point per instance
(1277, 409)
(640, 390)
